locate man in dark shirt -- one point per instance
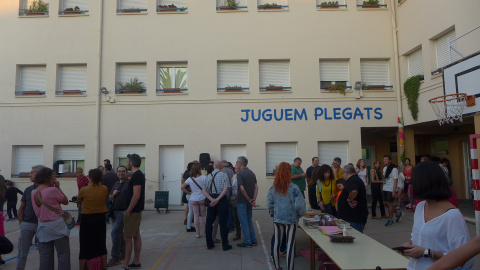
(11, 196)
(109, 179)
(248, 189)
(312, 188)
(133, 214)
(352, 202)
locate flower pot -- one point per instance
(130, 11)
(233, 89)
(370, 6)
(274, 88)
(376, 87)
(72, 13)
(71, 93)
(330, 7)
(32, 93)
(171, 90)
(227, 8)
(269, 7)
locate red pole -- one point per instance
(475, 178)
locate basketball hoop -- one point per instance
(449, 107)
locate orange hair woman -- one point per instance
(286, 203)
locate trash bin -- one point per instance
(161, 200)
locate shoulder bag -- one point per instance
(69, 220)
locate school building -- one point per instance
(85, 80)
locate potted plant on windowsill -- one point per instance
(37, 8)
(134, 86)
(131, 10)
(171, 90)
(333, 4)
(371, 4)
(272, 87)
(75, 10)
(229, 5)
(340, 87)
(270, 6)
(167, 8)
(235, 88)
(32, 93)
(72, 92)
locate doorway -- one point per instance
(171, 171)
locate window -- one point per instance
(73, 80)
(223, 5)
(272, 5)
(132, 6)
(441, 49)
(327, 151)
(333, 72)
(172, 78)
(232, 76)
(371, 4)
(230, 152)
(375, 74)
(415, 63)
(72, 155)
(71, 7)
(280, 152)
(171, 5)
(34, 7)
(121, 152)
(322, 4)
(440, 147)
(26, 157)
(131, 78)
(33, 80)
(275, 75)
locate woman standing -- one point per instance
(312, 190)
(52, 232)
(93, 229)
(197, 199)
(362, 171)
(438, 227)
(326, 188)
(377, 182)
(285, 201)
(407, 171)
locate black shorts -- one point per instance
(387, 196)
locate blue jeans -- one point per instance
(190, 213)
(108, 203)
(244, 212)
(357, 226)
(118, 243)
(79, 218)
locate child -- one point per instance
(11, 197)
(5, 245)
(340, 185)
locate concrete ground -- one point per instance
(166, 244)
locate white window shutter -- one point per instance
(130, 71)
(334, 71)
(327, 151)
(122, 151)
(126, 4)
(280, 152)
(33, 78)
(177, 3)
(73, 78)
(26, 157)
(415, 63)
(441, 48)
(82, 4)
(275, 72)
(70, 152)
(375, 72)
(231, 152)
(232, 73)
(278, 2)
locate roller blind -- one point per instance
(280, 152)
(230, 153)
(26, 157)
(177, 3)
(327, 151)
(82, 4)
(334, 71)
(415, 63)
(279, 2)
(33, 78)
(232, 74)
(123, 150)
(128, 72)
(375, 72)
(275, 72)
(442, 49)
(126, 4)
(70, 152)
(73, 77)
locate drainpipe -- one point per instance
(96, 156)
(401, 145)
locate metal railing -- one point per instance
(451, 47)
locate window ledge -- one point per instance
(132, 11)
(32, 96)
(28, 15)
(232, 93)
(279, 8)
(172, 94)
(332, 8)
(73, 15)
(172, 12)
(276, 92)
(372, 7)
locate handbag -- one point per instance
(69, 220)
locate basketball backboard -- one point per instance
(464, 77)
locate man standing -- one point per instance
(298, 176)
(215, 189)
(2, 192)
(226, 169)
(337, 168)
(133, 214)
(352, 202)
(109, 179)
(82, 181)
(311, 183)
(310, 169)
(247, 185)
(390, 173)
(119, 197)
(27, 220)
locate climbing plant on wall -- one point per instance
(412, 89)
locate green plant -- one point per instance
(270, 5)
(272, 86)
(230, 3)
(340, 87)
(133, 84)
(68, 9)
(166, 79)
(233, 86)
(370, 2)
(37, 6)
(77, 8)
(329, 4)
(411, 87)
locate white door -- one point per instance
(230, 152)
(171, 171)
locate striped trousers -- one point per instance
(289, 230)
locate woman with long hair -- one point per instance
(326, 188)
(312, 190)
(407, 171)
(376, 187)
(52, 232)
(197, 199)
(286, 203)
(362, 171)
(93, 229)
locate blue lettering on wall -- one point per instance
(246, 116)
(267, 115)
(318, 112)
(303, 114)
(288, 114)
(358, 113)
(368, 109)
(347, 113)
(259, 114)
(275, 115)
(336, 113)
(379, 115)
